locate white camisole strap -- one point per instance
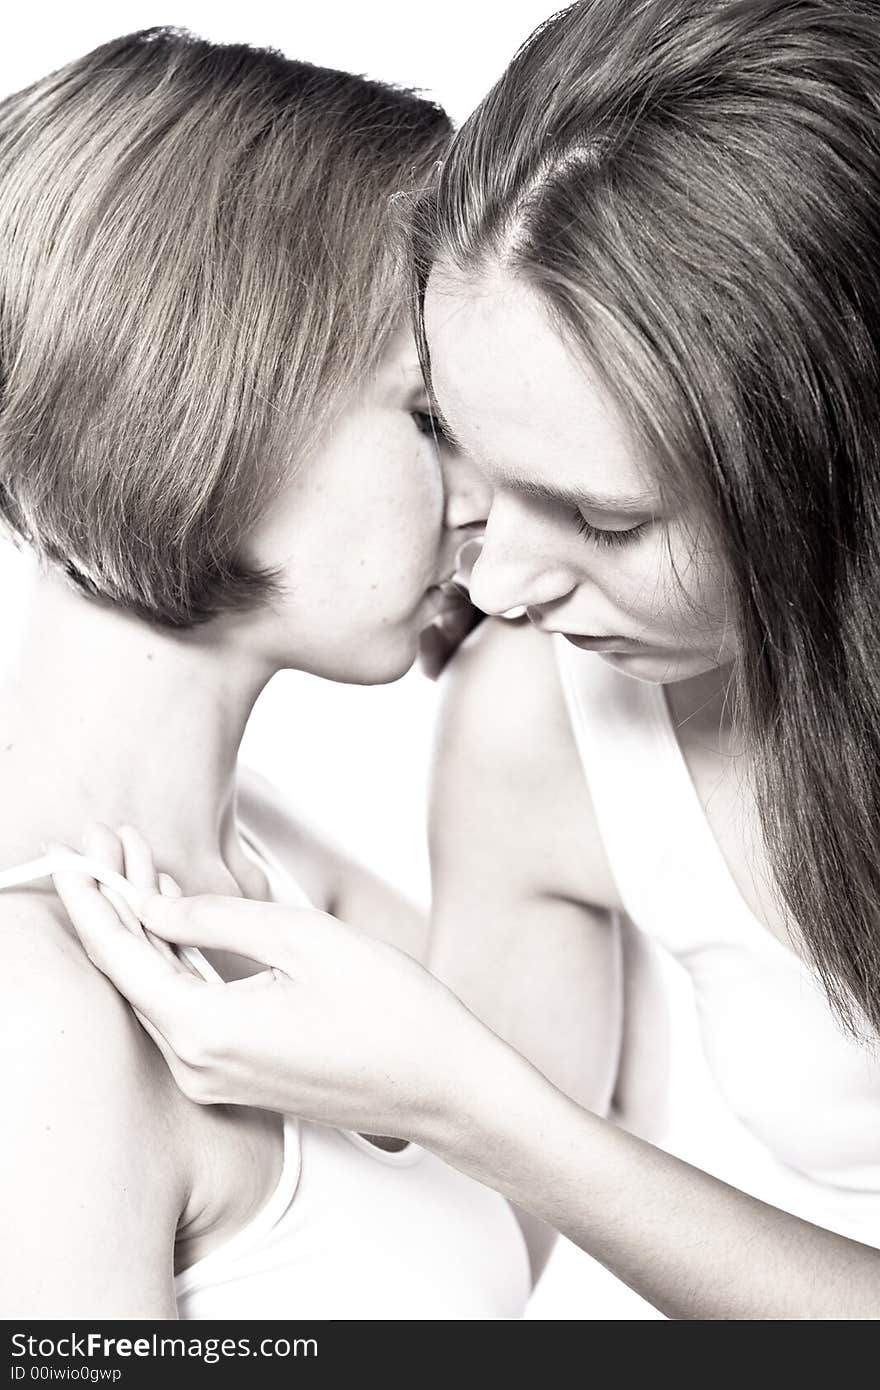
(665, 860)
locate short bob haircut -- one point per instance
(197, 264)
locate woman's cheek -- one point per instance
(632, 582)
(425, 519)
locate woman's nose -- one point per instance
(516, 570)
(468, 496)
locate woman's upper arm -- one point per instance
(519, 928)
(89, 1195)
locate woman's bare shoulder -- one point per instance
(91, 1172)
(67, 1025)
(507, 775)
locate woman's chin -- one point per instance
(373, 659)
(382, 674)
(657, 667)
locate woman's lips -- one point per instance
(620, 645)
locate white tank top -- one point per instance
(807, 1091)
(353, 1231)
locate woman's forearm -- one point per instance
(690, 1244)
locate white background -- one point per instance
(357, 759)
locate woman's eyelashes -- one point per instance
(429, 425)
(601, 537)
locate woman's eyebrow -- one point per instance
(635, 504)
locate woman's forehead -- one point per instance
(514, 393)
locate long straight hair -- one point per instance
(693, 187)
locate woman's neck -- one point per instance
(702, 709)
(104, 717)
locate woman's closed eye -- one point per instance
(600, 536)
(430, 425)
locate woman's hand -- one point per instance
(338, 1028)
(348, 1031)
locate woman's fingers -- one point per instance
(93, 915)
(126, 915)
(139, 866)
(140, 870)
(154, 986)
(126, 852)
(103, 846)
(170, 889)
(231, 924)
(260, 931)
